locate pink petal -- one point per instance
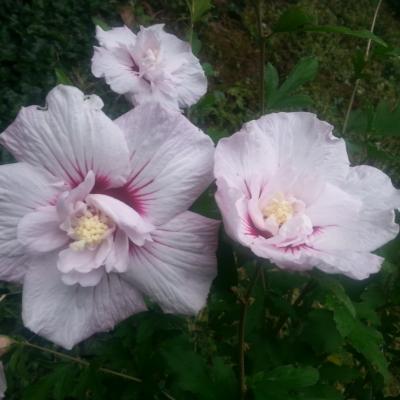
(375, 224)
(246, 160)
(67, 200)
(39, 231)
(69, 138)
(353, 264)
(176, 269)
(128, 220)
(65, 314)
(118, 68)
(23, 189)
(234, 208)
(83, 261)
(306, 144)
(84, 279)
(118, 259)
(115, 37)
(171, 161)
(334, 206)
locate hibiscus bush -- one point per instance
(198, 200)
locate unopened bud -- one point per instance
(5, 344)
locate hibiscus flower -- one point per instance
(286, 191)
(94, 214)
(152, 65)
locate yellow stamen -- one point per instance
(89, 231)
(279, 208)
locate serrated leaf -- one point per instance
(368, 341)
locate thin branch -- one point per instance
(242, 330)
(78, 360)
(357, 82)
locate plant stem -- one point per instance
(261, 42)
(242, 330)
(357, 82)
(78, 360)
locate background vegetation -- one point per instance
(307, 336)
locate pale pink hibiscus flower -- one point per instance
(94, 214)
(152, 65)
(286, 191)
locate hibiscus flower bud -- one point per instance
(286, 191)
(5, 344)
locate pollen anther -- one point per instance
(279, 208)
(89, 230)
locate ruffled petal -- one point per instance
(66, 202)
(334, 207)
(39, 231)
(234, 208)
(176, 269)
(355, 265)
(128, 220)
(171, 161)
(304, 143)
(65, 314)
(23, 189)
(246, 160)
(118, 69)
(70, 137)
(375, 224)
(115, 37)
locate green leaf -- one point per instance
(100, 22)
(368, 341)
(362, 33)
(386, 121)
(271, 79)
(188, 368)
(198, 8)
(304, 71)
(283, 97)
(296, 19)
(281, 381)
(224, 380)
(291, 20)
(62, 77)
(320, 332)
